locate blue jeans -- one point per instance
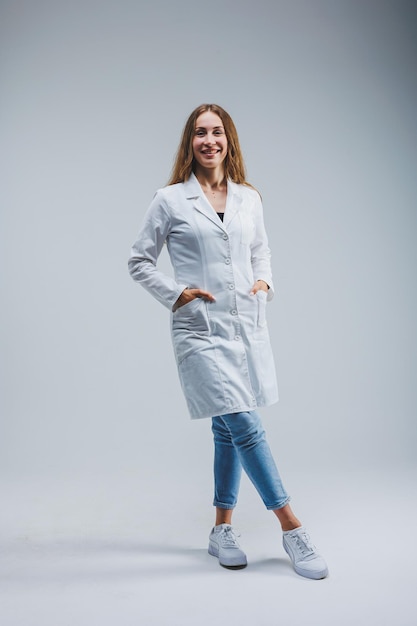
(239, 441)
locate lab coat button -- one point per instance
(227, 261)
(233, 312)
(231, 286)
(237, 338)
(225, 237)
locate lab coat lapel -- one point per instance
(194, 194)
(234, 201)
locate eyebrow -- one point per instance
(205, 127)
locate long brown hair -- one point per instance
(234, 167)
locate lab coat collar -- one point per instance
(194, 192)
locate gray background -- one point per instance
(94, 96)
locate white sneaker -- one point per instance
(224, 545)
(303, 555)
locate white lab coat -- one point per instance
(222, 348)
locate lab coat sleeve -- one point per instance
(260, 252)
(146, 250)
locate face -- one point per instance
(209, 142)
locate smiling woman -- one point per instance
(210, 150)
(210, 141)
(212, 221)
(234, 168)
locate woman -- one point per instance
(212, 222)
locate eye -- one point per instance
(218, 131)
(199, 133)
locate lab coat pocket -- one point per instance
(261, 299)
(191, 316)
(190, 328)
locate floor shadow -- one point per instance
(78, 560)
(70, 561)
(273, 566)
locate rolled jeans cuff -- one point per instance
(223, 505)
(280, 505)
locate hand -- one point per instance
(191, 294)
(259, 285)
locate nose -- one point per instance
(210, 139)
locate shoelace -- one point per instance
(303, 544)
(228, 538)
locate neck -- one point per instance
(211, 178)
